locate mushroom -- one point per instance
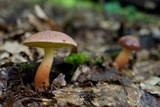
(49, 40)
(128, 43)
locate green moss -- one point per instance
(98, 61)
(24, 67)
(77, 59)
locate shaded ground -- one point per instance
(93, 81)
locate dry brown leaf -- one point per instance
(151, 85)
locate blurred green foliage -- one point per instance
(75, 3)
(129, 12)
(67, 3)
(112, 7)
(34, 1)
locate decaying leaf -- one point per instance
(60, 80)
(151, 85)
(81, 70)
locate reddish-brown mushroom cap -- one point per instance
(47, 39)
(129, 42)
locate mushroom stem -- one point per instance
(123, 58)
(42, 74)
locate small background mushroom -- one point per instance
(128, 43)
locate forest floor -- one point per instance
(90, 78)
